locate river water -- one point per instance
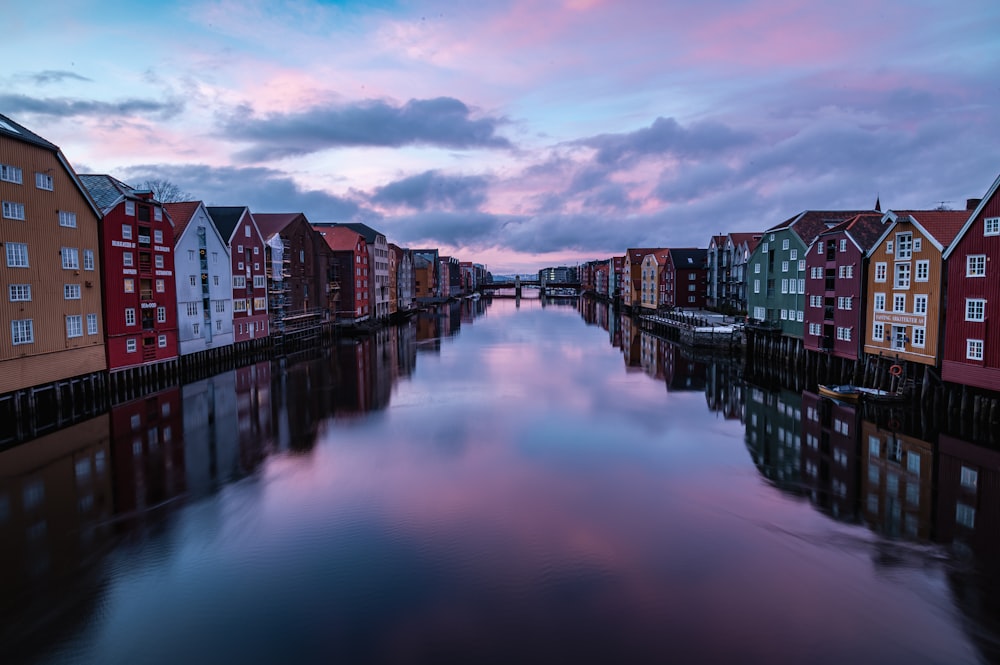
(498, 482)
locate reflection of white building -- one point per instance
(203, 275)
(277, 270)
(211, 432)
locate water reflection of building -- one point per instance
(211, 432)
(829, 468)
(428, 331)
(300, 396)
(773, 434)
(147, 451)
(253, 404)
(968, 517)
(681, 371)
(649, 355)
(724, 391)
(631, 344)
(56, 500)
(896, 473)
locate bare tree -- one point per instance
(165, 191)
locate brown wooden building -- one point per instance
(49, 229)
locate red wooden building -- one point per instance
(972, 337)
(835, 286)
(140, 295)
(247, 253)
(350, 259)
(685, 278)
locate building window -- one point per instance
(88, 259)
(919, 336)
(193, 280)
(756, 286)
(130, 346)
(899, 302)
(246, 231)
(975, 309)
(239, 282)
(43, 181)
(974, 349)
(259, 282)
(991, 226)
(902, 276)
(10, 173)
(127, 259)
(162, 339)
(130, 208)
(923, 271)
(880, 271)
(92, 324)
(160, 286)
(878, 332)
(67, 219)
(22, 331)
(192, 309)
(904, 246)
(158, 261)
(965, 515)
(784, 243)
(70, 258)
(919, 304)
(784, 266)
(196, 328)
(19, 292)
(969, 478)
(888, 247)
(74, 326)
(130, 316)
(975, 265)
(129, 285)
(71, 291)
(218, 325)
(220, 306)
(161, 314)
(127, 231)
(157, 233)
(13, 210)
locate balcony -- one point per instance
(145, 294)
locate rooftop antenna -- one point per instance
(942, 206)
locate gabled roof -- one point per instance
(637, 254)
(271, 223)
(660, 255)
(751, 239)
(339, 238)
(226, 218)
(810, 223)
(689, 257)
(181, 213)
(940, 226)
(972, 218)
(107, 191)
(864, 230)
(718, 240)
(14, 130)
(369, 234)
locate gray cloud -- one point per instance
(473, 230)
(443, 121)
(433, 189)
(262, 189)
(63, 107)
(668, 138)
(55, 76)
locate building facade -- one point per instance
(140, 294)
(972, 342)
(248, 257)
(51, 273)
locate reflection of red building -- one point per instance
(147, 451)
(829, 454)
(253, 405)
(680, 371)
(55, 509)
(968, 506)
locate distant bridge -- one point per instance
(547, 289)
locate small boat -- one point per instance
(850, 393)
(845, 393)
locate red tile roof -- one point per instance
(181, 214)
(944, 225)
(339, 238)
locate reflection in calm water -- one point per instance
(489, 484)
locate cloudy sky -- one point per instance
(521, 133)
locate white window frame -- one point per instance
(975, 265)
(92, 324)
(878, 302)
(991, 226)
(70, 258)
(973, 349)
(878, 332)
(74, 326)
(919, 336)
(975, 309)
(901, 276)
(904, 246)
(161, 314)
(71, 292)
(44, 181)
(128, 259)
(920, 304)
(12, 174)
(19, 292)
(130, 316)
(881, 271)
(922, 271)
(22, 331)
(130, 345)
(67, 219)
(899, 302)
(126, 231)
(130, 211)
(13, 210)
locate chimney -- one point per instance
(972, 204)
